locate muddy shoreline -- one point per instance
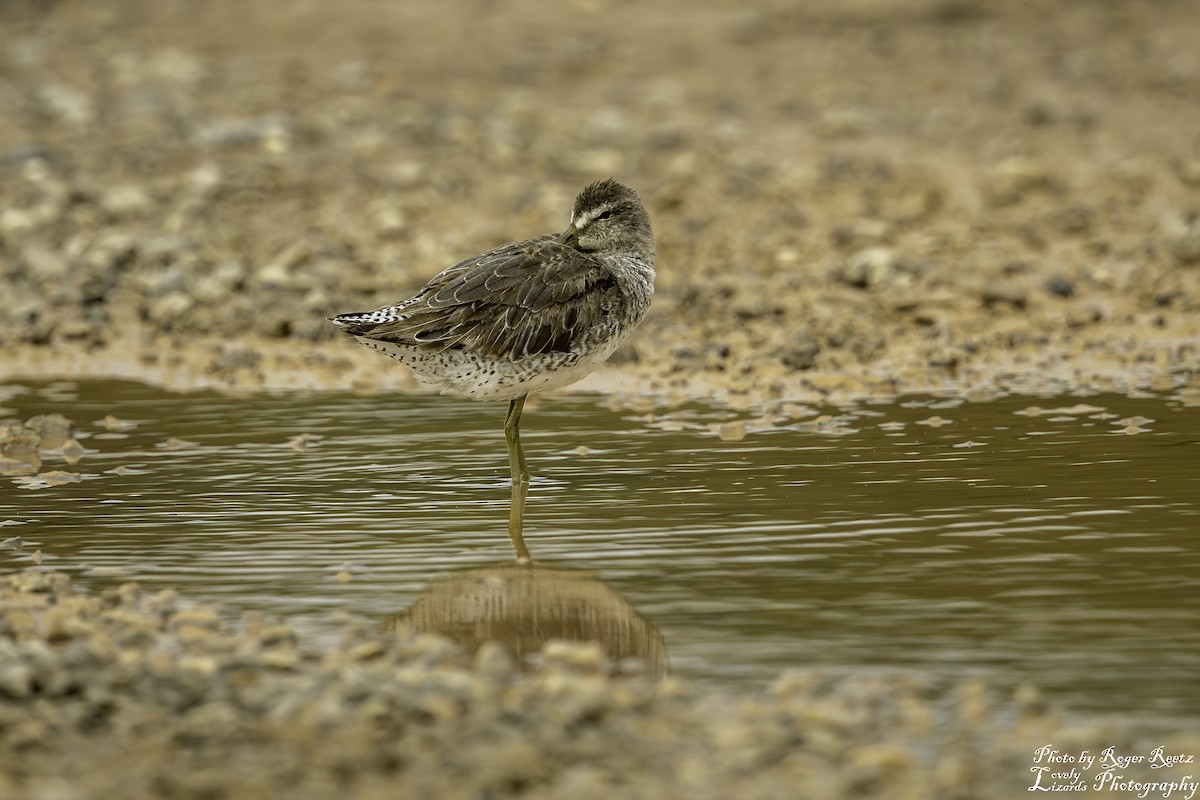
(190, 705)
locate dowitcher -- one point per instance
(525, 317)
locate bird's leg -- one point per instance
(520, 476)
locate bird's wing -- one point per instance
(522, 299)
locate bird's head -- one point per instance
(609, 216)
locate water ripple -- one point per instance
(1053, 554)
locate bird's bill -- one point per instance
(567, 236)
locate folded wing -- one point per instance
(524, 299)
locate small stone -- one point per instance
(427, 648)
(111, 423)
(492, 660)
(731, 431)
(72, 451)
(16, 439)
(66, 103)
(367, 651)
(278, 271)
(1008, 293)
(125, 200)
(274, 323)
(1185, 246)
(389, 221)
(1060, 287)
(1188, 171)
(872, 267)
(44, 264)
(75, 330)
(1014, 178)
(863, 233)
(301, 443)
(801, 353)
(58, 477)
(1084, 313)
(16, 680)
(277, 635)
(1075, 219)
(199, 616)
(576, 656)
(167, 310)
(53, 430)
(947, 356)
(282, 660)
(190, 632)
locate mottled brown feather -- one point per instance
(523, 299)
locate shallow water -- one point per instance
(932, 537)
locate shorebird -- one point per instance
(526, 317)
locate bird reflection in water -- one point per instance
(522, 607)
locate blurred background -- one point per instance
(864, 185)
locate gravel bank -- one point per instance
(191, 706)
(869, 198)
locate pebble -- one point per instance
(493, 660)
(167, 310)
(302, 442)
(1060, 287)
(72, 451)
(1009, 293)
(1015, 178)
(52, 478)
(53, 430)
(801, 352)
(578, 657)
(1084, 313)
(731, 431)
(873, 268)
(16, 678)
(113, 424)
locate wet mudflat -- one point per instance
(1043, 541)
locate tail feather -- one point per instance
(360, 322)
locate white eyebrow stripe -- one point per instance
(588, 218)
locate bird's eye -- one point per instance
(606, 214)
